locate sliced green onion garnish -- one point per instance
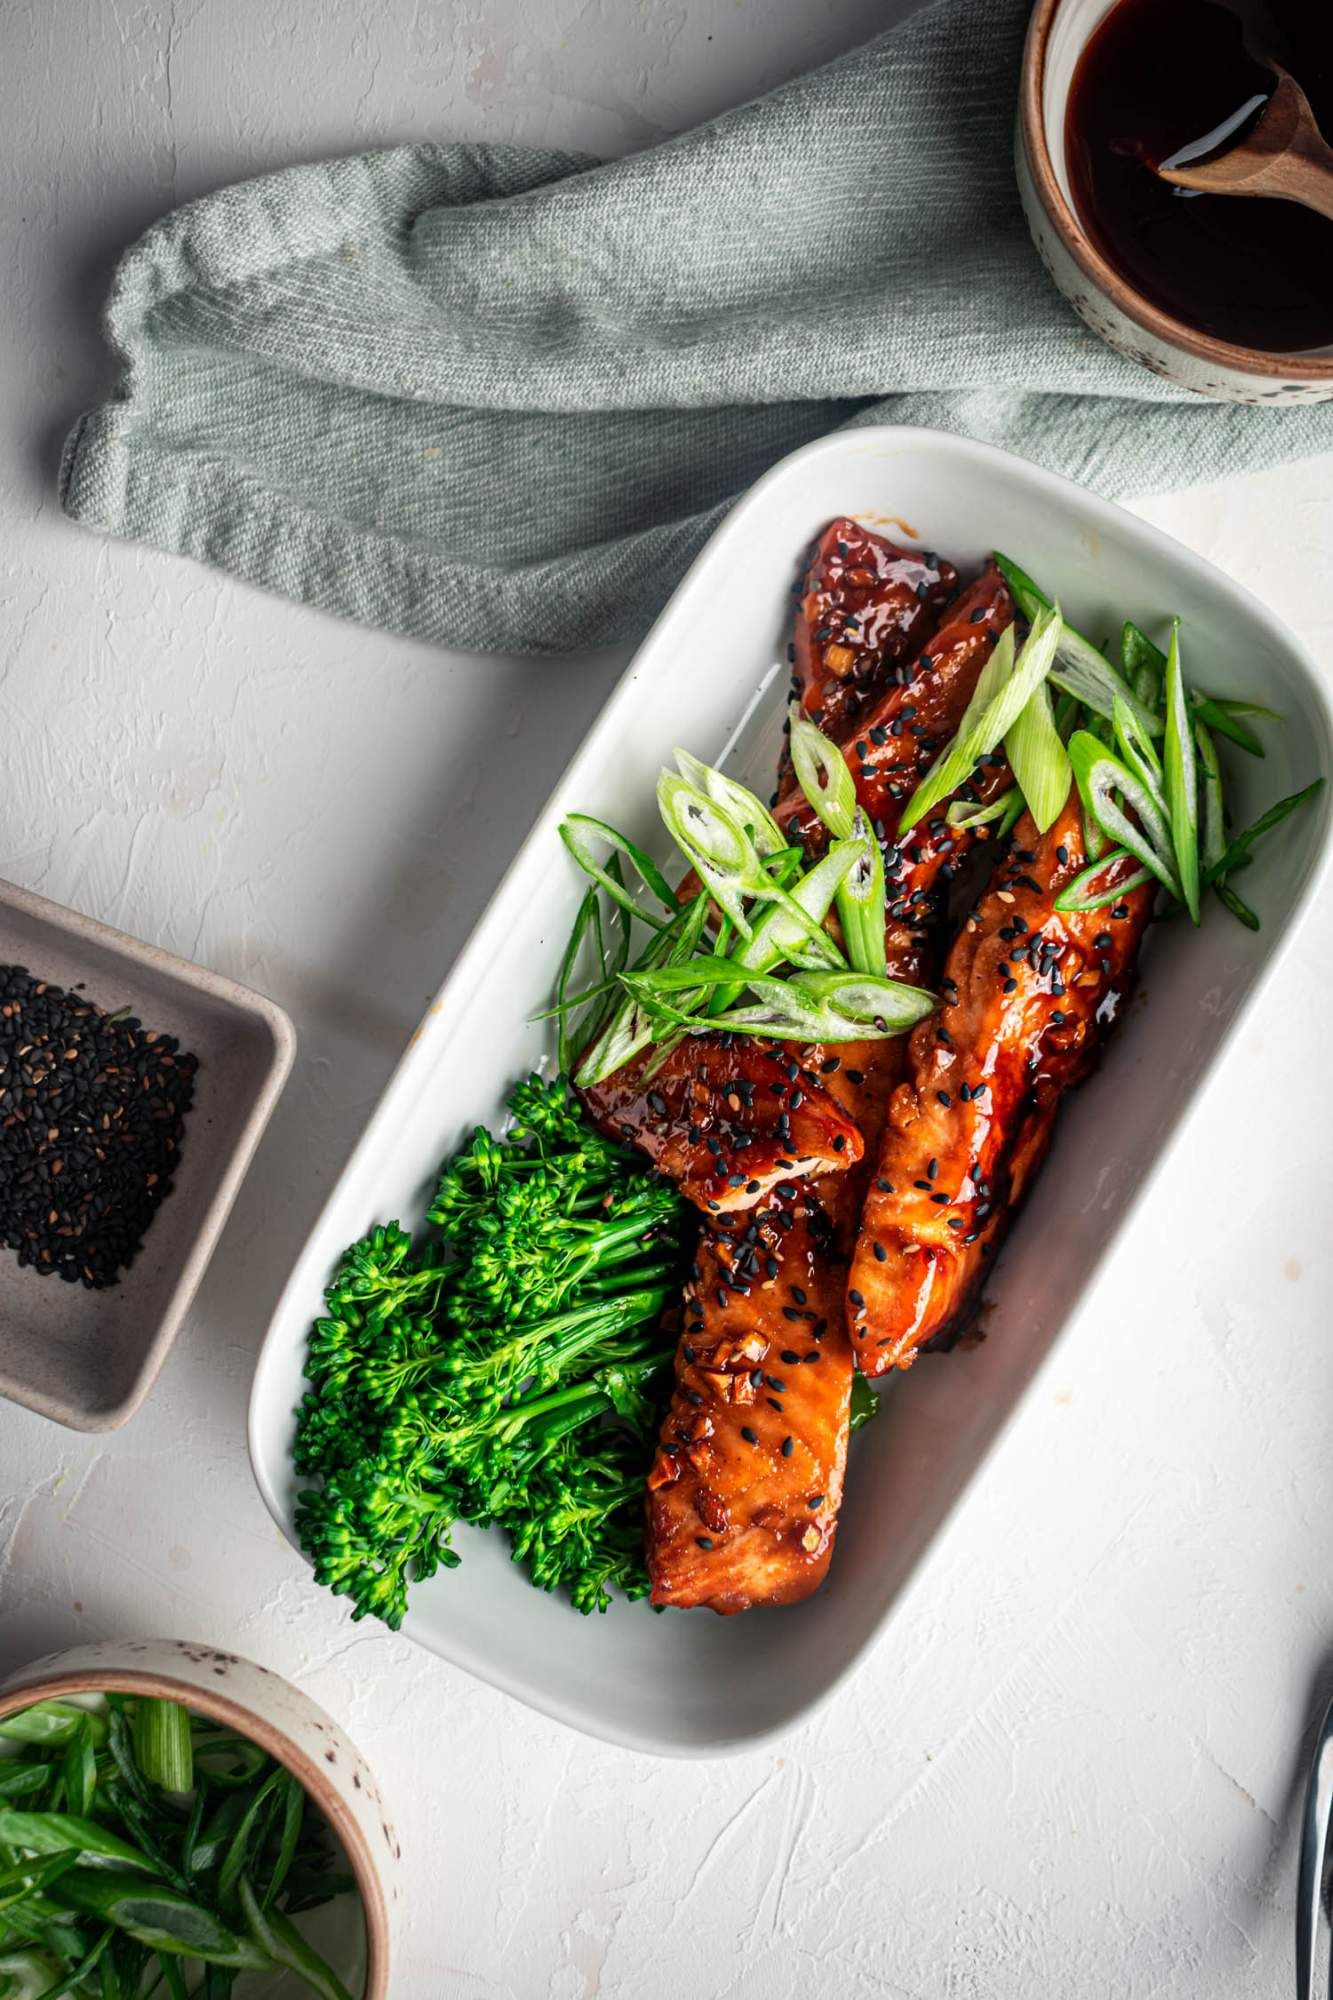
(597, 991)
(808, 1007)
(1144, 665)
(1015, 807)
(48, 1722)
(717, 846)
(722, 937)
(686, 976)
(1225, 716)
(1095, 842)
(784, 864)
(964, 815)
(791, 931)
(745, 808)
(860, 901)
(729, 865)
(1139, 752)
(282, 1944)
(79, 1770)
(822, 774)
(1234, 706)
(629, 1028)
(1179, 782)
(1079, 669)
(1212, 833)
(1002, 693)
(1238, 907)
(665, 995)
(865, 1405)
(1088, 675)
(289, 1837)
(18, 1883)
(1039, 760)
(955, 764)
(173, 1977)
(623, 919)
(778, 938)
(824, 777)
(164, 1745)
(97, 1847)
(73, 1981)
(659, 1056)
(1212, 830)
(587, 923)
(1067, 711)
(1081, 895)
(581, 833)
(1100, 776)
(865, 1003)
(1238, 850)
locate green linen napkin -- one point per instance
(497, 397)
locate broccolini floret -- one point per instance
(500, 1372)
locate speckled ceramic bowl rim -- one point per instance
(1107, 279)
(246, 1722)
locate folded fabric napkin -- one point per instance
(497, 396)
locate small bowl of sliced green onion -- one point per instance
(179, 1822)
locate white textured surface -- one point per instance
(1071, 1767)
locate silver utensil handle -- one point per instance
(1314, 1848)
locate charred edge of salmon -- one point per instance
(864, 605)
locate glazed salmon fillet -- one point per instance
(911, 723)
(721, 1117)
(1028, 995)
(735, 1517)
(865, 607)
(744, 1491)
(896, 739)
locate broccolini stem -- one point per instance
(536, 1349)
(573, 1407)
(611, 1282)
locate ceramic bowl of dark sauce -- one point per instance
(1228, 295)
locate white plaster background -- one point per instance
(1068, 1770)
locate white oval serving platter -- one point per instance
(692, 1684)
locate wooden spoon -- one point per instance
(1284, 157)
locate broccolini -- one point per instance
(500, 1371)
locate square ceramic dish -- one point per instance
(85, 1358)
(695, 1684)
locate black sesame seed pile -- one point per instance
(92, 1111)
